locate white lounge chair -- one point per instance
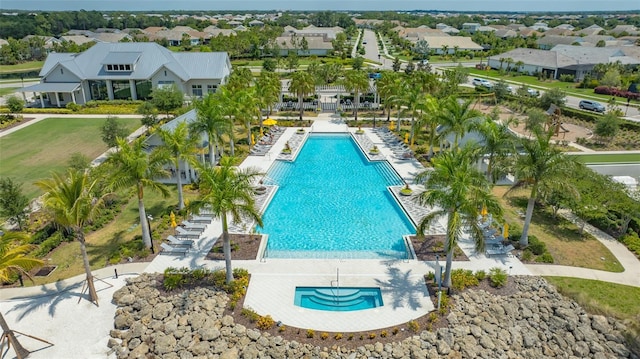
(500, 251)
(179, 242)
(182, 232)
(201, 219)
(192, 226)
(167, 249)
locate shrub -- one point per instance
(282, 328)
(73, 106)
(567, 78)
(463, 278)
(338, 336)
(265, 323)
(15, 104)
(251, 315)
(430, 276)
(497, 277)
(395, 330)
(546, 257)
(350, 337)
(413, 326)
(383, 334)
(536, 246)
(632, 241)
(480, 275)
(310, 333)
(324, 335)
(49, 244)
(172, 280)
(372, 336)
(527, 255)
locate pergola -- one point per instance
(56, 88)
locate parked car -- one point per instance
(533, 92)
(375, 75)
(591, 105)
(481, 82)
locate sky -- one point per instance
(214, 5)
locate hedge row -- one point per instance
(612, 91)
(593, 117)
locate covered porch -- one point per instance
(57, 93)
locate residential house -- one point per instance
(214, 31)
(506, 33)
(628, 29)
(527, 32)
(437, 44)
(328, 33)
(127, 70)
(470, 27)
(49, 41)
(112, 37)
(316, 45)
(589, 31)
(77, 39)
(256, 23)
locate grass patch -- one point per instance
(610, 299)
(609, 158)
(35, 151)
(102, 243)
(562, 238)
(7, 90)
(23, 67)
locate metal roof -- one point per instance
(121, 58)
(52, 87)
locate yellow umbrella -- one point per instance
(505, 232)
(392, 126)
(253, 139)
(484, 211)
(172, 217)
(269, 122)
(406, 137)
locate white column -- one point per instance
(84, 96)
(73, 97)
(134, 92)
(41, 100)
(57, 99)
(110, 90)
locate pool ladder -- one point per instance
(336, 282)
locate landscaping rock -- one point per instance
(535, 322)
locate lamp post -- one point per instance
(149, 219)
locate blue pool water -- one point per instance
(337, 299)
(333, 203)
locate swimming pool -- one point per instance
(337, 299)
(333, 203)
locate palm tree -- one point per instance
(72, 202)
(356, 81)
(134, 166)
(302, 84)
(13, 256)
(413, 98)
(386, 86)
(268, 88)
(540, 165)
(459, 190)
(182, 146)
(457, 118)
(227, 191)
(431, 107)
(499, 143)
(210, 119)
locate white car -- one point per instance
(533, 92)
(481, 82)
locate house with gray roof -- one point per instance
(127, 70)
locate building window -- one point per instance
(109, 67)
(212, 88)
(143, 89)
(98, 90)
(60, 96)
(196, 90)
(127, 67)
(62, 71)
(165, 72)
(121, 89)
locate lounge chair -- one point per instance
(167, 249)
(175, 242)
(194, 226)
(182, 232)
(500, 251)
(201, 219)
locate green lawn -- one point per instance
(595, 296)
(24, 67)
(609, 158)
(7, 90)
(33, 152)
(532, 81)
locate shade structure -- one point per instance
(505, 231)
(269, 122)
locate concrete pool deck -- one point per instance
(81, 330)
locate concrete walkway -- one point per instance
(59, 312)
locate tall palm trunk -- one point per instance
(447, 270)
(357, 104)
(524, 239)
(179, 184)
(248, 124)
(87, 268)
(300, 104)
(21, 352)
(226, 246)
(146, 235)
(212, 148)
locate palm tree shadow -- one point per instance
(405, 291)
(50, 298)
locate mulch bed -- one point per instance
(428, 247)
(24, 120)
(243, 247)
